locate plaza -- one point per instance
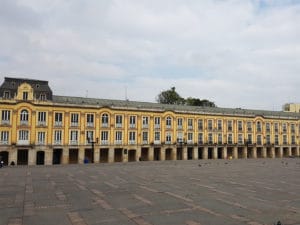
(191, 192)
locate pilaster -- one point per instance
(195, 153)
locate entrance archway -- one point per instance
(22, 158)
(200, 152)
(210, 153)
(156, 154)
(131, 155)
(220, 153)
(104, 155)
(168, 154)
(73, 156)
(4, 157)
(118, 155)
(89, 155)
(179, 154)
(190, 153)
(144, 154)
(40, 158)
(57, 154)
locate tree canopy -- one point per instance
(172, 97)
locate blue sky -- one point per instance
(237, 53)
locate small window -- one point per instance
(6, 94)
(25, 95)
(43, 97)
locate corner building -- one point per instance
(39, 128)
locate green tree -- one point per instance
(197, 102)
(170, 97)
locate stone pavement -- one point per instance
(202, 192)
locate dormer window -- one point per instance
(25, 95)
(6, 94)
(43, 97)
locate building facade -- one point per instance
(291, 107)
(39, 128)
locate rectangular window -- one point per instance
(118, 137)
(145, 122)
(284, 127)
(119, 121)
(25, 95)
(190, 124)
(240, 126)
(157, 137)
(23, 137)
(4, 137)
(293, 128)
(179, 123)
(74, 137)
(57, 137)
(230, 139)
(276, 127)
(5, 119)
(268, 127)
(89, 136)
(132, 137)
(104, 137)
(132, 121)
(268, 139)
(42, 118)
(284, 138)
(41, 138)
(276, 139)
(200, 124)
(259, 140)
(293, 140)
(156, 122)
(220, 137)
(74, 119)
(258, 126)
(240, 139)
(249, 126)
(145, 137)
(6, 95)
(190, 138)
(58, 118)
(229, 125)
(210, 125)
(249, 140)
(210, 138)
(220, 124)
(200, 139)
(90, 120)
(168, 138)
(179, 137)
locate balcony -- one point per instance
(118, 125)
(145, 142)
(58, 123)
(74, 124)
(104, 142)
(57, 142)
(90, 124)
(145, 126)
(118, 142)
(157, 126)
(132, 125)
(73, 142)
(4, 142)
(24, 123)
(190, 127)
(104, 125)
(157, 142)
(5, 122)
(132, 142)
(23, 142)
(41, 123)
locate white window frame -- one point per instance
(41, 138)
(74, 119)
(5, 117)
(57, 137)
(4, 137)
(90, 119)
(23, 137)
(42, 118)
(58, 119)
(145, 121)
(104, 120)
(104, 137)
(74, 136)
(157, 122)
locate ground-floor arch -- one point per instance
(4, 157)
(40, 158)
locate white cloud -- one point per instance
(235, 53)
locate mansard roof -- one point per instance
(39, 86)
(149, 106)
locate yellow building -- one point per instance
(38, 127)
(291, 107)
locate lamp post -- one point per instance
(93, 143)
